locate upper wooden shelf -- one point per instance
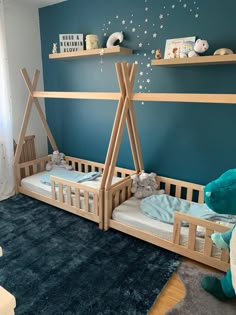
(91, 52)
(195, 61)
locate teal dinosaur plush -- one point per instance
(220, 196)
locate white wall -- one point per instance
(24, 51)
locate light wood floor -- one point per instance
(173, 292)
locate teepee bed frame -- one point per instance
(111, 195)
(74, 197)
(120, 193)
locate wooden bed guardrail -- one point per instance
(194, 222)
(91, 166)
(181, 189)
(122, 191)
(28, 151)
(75, 194)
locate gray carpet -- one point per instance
(56, 263)
(196, 300)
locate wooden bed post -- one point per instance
(41, 114)
(129, 75)
(25, 122)
(115, 125)
(127, 115)
(31, 88)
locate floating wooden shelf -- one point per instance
(92, 52)
(195, 61)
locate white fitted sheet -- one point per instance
(129, 213)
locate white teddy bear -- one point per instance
(145, 185)
(192, 49)
(57, 161)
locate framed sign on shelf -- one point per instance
(172, 48)
(71, 42)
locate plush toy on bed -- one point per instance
(145, 185)
(220, 196)
(57, 161)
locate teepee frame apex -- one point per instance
(124, 114)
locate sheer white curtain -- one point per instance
(6, 139)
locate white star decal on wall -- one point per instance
(140, 27)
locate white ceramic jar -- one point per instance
(91, 42)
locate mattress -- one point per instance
(129, 213)
(33, 184)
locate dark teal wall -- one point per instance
(194, 142)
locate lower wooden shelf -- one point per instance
(195, 61)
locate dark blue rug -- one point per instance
(56, 263)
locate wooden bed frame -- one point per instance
(73, 190)
(120, 192)
(109, 196)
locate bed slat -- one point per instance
(77, 197)
(176, 231)
(53, 190)
(117, 199)
(208, 242)
(224, 255)
(95, 204)
(86, 201)
(68, 194)
(61, 197)
(123, 194)
(178, 191)
(189, 194)
(167, 188)
(201, 197)
(192, 236)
